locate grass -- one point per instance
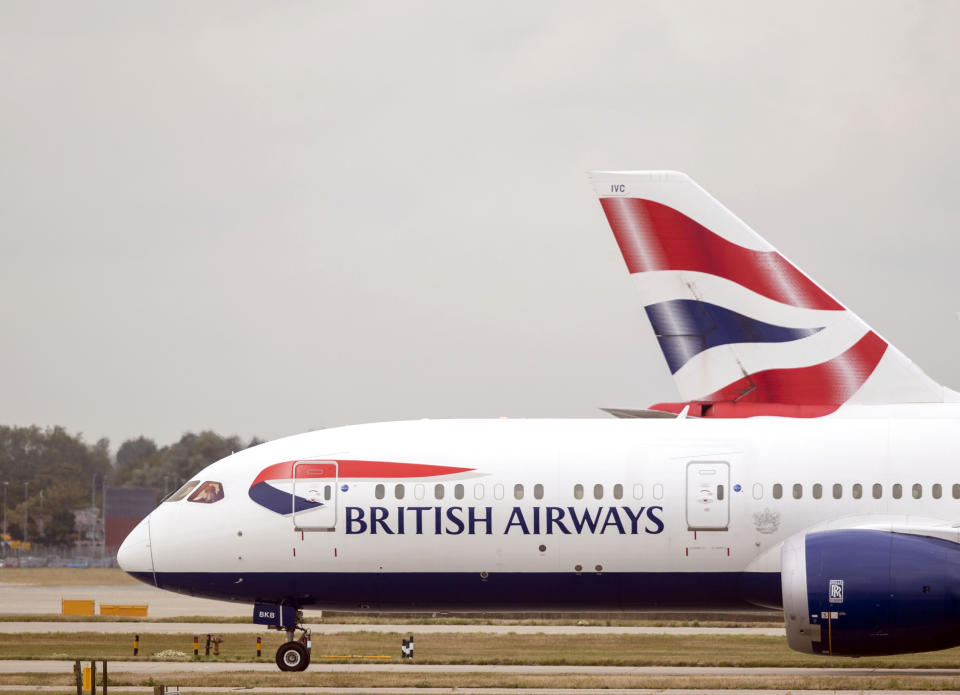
(415, 679)
(477, 648)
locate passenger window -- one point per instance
(578, 491)
(956, 491)
(327, 492)
(438, 491)
(857, 491)
(757, 491)
(598, 492)
(837, 491)
(418, 491)
(777, 491)
(478, 491)
(817, 491)
(917, 491)
(797, 491)
(936, 491)
(638, 491)
(208, 493)
(518, 491)
(458, 491)
(498, 491)
(618, 491)
(379, 492)
(897, 491)
(182, 492)
(877, 491)
(398, 491)
(538, 491)
(658, 491)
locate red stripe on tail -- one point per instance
(653, 236)
(829, 383)
(799, 392)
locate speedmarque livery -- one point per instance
(809, 465)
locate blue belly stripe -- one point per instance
(462, 591)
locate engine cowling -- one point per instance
(859, 592)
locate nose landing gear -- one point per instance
(294, 655)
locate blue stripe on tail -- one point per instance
(686, 327)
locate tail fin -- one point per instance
(743, 330)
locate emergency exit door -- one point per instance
(708, 498)
(314, 495)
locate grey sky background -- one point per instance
(265, 218)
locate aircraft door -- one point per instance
(708, 496)
(315, 495)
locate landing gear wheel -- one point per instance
(293, 656)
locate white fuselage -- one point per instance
(644, 501)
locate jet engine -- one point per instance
(860, 592)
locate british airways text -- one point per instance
(479, 520)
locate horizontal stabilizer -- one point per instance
(646, 414)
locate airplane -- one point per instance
(808, 466)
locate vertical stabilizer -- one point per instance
(743, 330)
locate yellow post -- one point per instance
(87, 676)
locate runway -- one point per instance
(335, 628)
(268, 666)
(21, 599)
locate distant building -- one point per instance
(124, 508)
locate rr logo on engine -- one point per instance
(836, 591)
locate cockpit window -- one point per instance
(182, 492)
(208, 493)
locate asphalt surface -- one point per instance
(19, 599)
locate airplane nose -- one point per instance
(135, 556)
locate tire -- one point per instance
(293, 656)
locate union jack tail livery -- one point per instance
(744, 331)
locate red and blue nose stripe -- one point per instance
(264, 491)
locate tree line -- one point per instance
(54, 472)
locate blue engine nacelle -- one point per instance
(865, 593)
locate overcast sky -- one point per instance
(265, 218)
